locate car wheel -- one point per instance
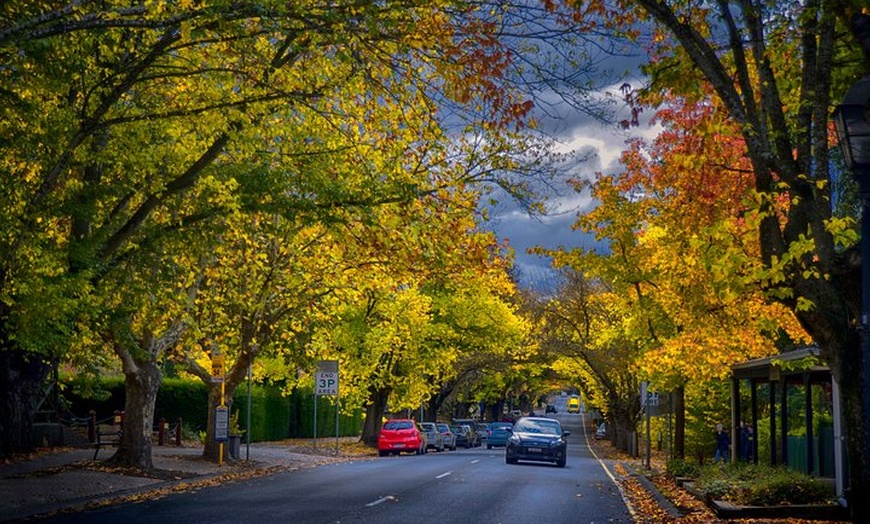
(510, 460)
(382, 453)
(561, 462)
(489, 446)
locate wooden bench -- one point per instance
(107, 435)
(108, 432)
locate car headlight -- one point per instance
(514, 439)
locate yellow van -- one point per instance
(574, 405)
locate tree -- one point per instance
(586, 336)
(775, 69)
(126, 124)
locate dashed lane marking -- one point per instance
(380, 501)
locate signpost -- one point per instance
(222, 412)
(326, 383)
(648, 398)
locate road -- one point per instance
(455, 487)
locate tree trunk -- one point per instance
(679, 404)
(375, 410)
(21, 379)
(141, 385)
(840, 345)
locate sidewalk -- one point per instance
(68, 479)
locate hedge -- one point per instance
(273, 415)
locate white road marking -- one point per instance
(475, 461)
(627, 502)
(441, 476)
(380, 501)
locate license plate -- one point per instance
(535, 450)
(399, 445)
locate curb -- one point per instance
(660, 499)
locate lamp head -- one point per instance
(852, 118)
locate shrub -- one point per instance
(683, 468)
(761, 485)
(787, 486)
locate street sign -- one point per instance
(647, 397)
(326, 378)
(217, 368)
(221, 424)
(326, 383)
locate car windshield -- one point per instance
(457, 429)
(428, 426)
(398, 424)
(500, 426)
(443, 427)
(544, 427)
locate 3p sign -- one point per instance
(327, 383)
(326, 378)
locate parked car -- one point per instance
(550, 409)
(497, 434)
(601, 432)
(434, 438)
(447, 435)
(401, 436)
(482, 430)
(537, 439)
(475, 436)
(465, 437)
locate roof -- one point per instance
(761, 367)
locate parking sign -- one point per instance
(326, 378)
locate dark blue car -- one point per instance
(537, 439)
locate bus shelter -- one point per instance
(792, 403)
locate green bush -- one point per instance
(274, 416)
(683, 468)
(786, 486)
(761, 485)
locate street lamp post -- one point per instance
(852, 118)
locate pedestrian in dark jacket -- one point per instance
(723, 442)
(747, 443)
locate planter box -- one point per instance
(726, 510)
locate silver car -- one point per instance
(434, 438)
(448, 435)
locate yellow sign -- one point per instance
(217, 365)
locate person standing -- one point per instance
(748, 446)
(723, 442)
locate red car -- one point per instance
(401, 435)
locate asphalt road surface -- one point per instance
(451, 487)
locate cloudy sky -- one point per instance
(600, 145)
(574, 77)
